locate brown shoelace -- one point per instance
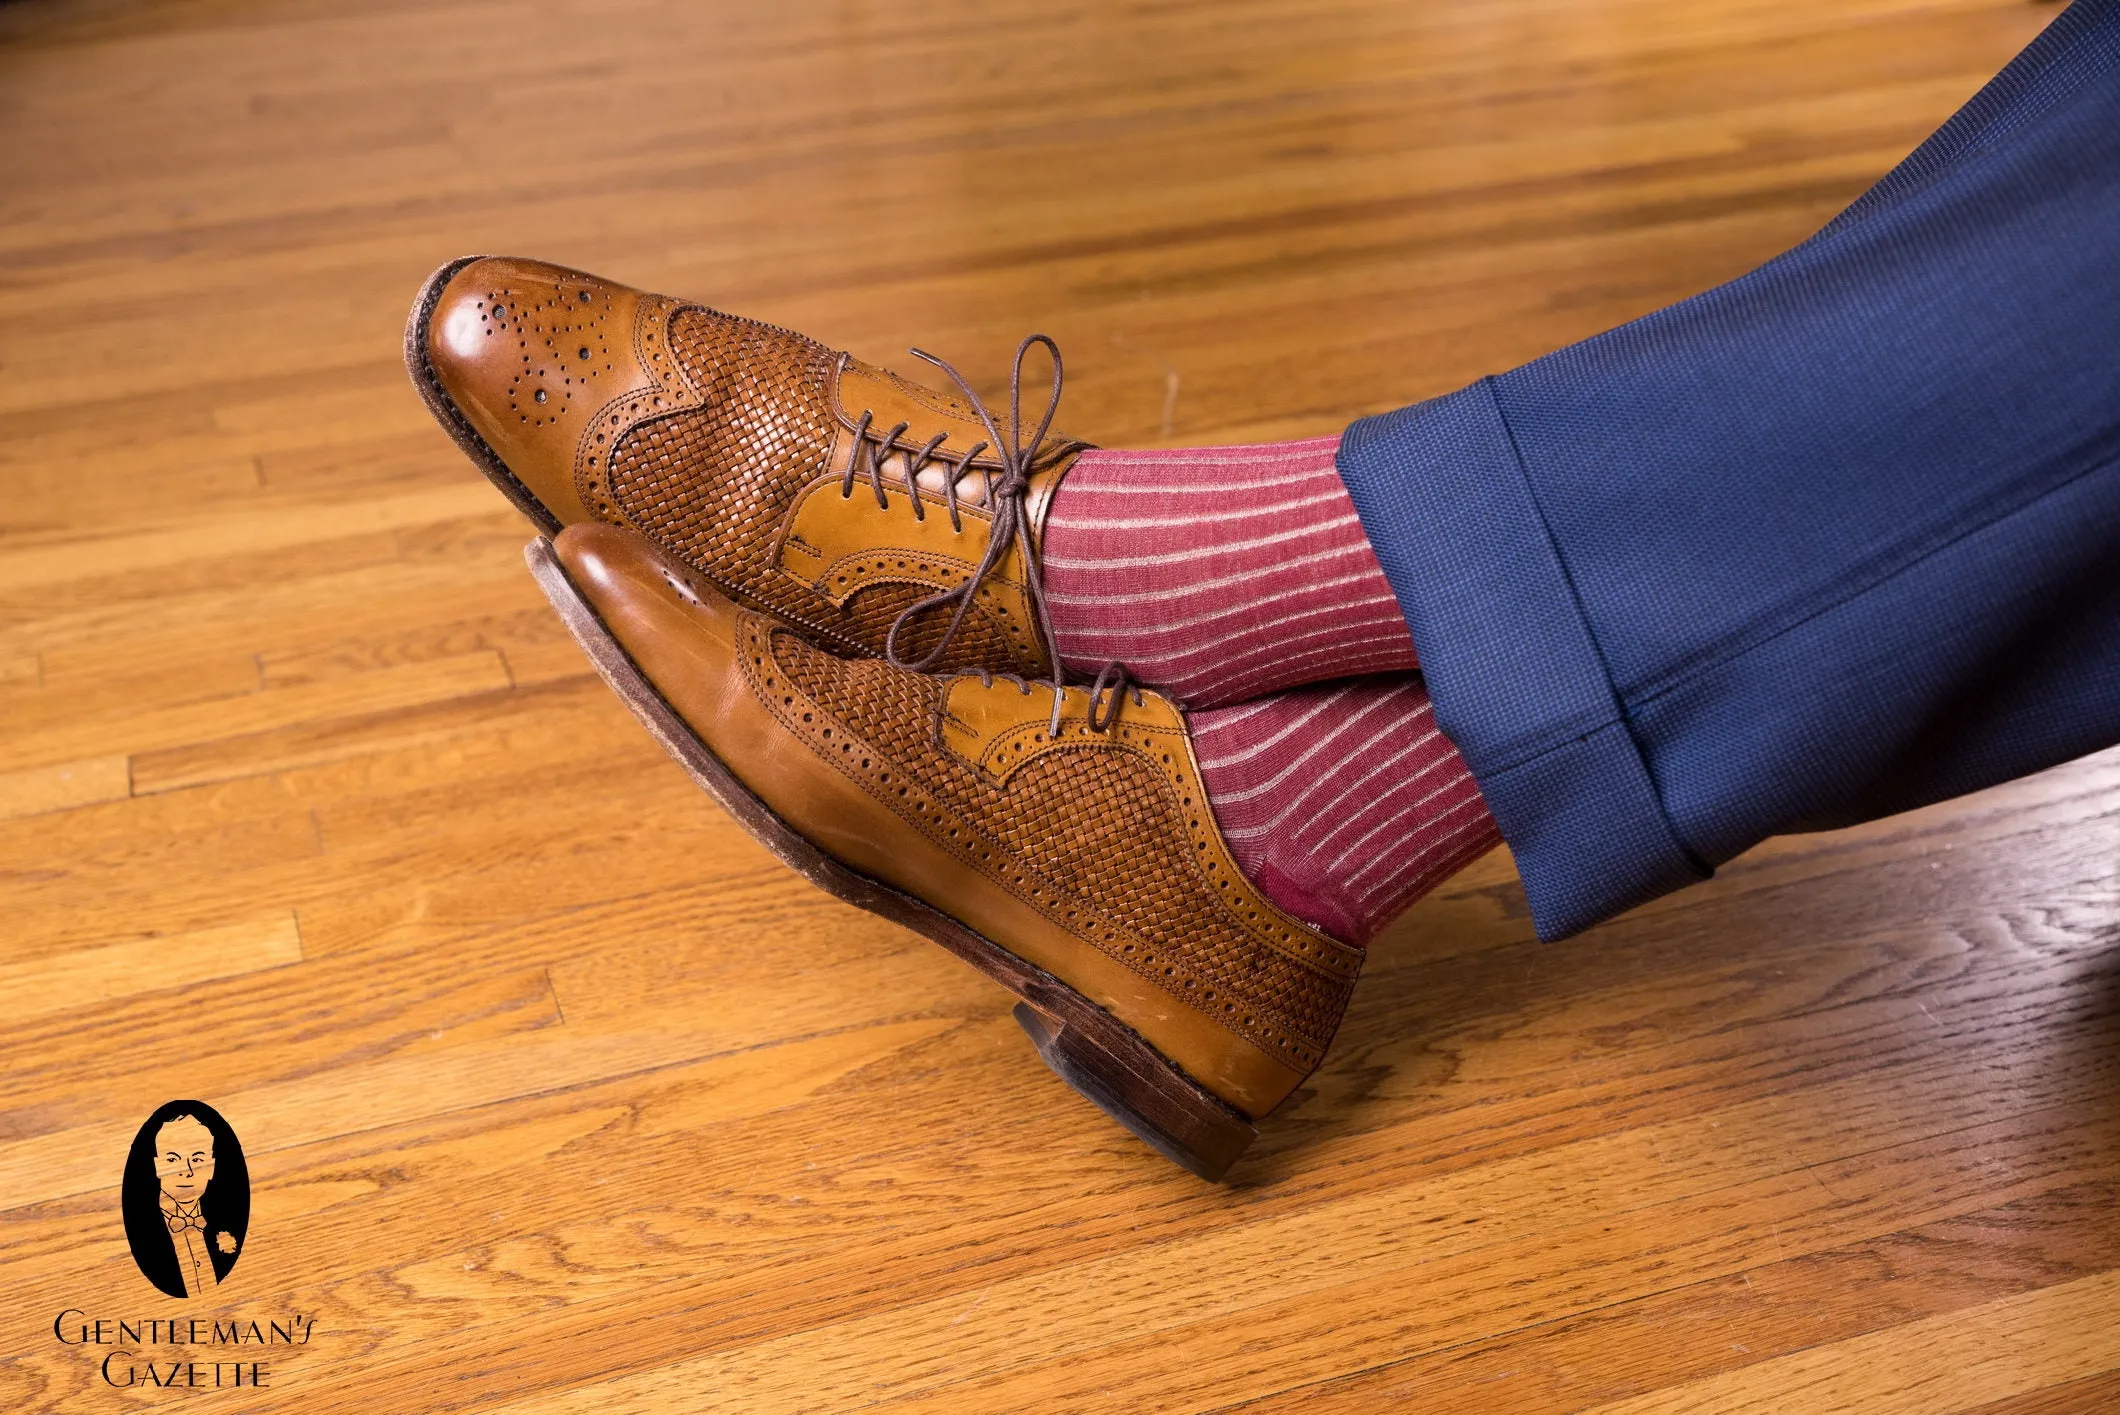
(1007, 495)
(872, 447)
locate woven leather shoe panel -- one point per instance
(712, 483)
(1109, 836)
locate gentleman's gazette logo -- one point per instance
(186, 1199)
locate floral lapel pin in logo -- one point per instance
(186, 1198)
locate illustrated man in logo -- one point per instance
(184, 1167)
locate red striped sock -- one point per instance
(1343, 804)
(1218, 573)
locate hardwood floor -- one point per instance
(559, 1094)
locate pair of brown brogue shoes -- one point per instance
(817, 584)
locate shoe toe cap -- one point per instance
(523, 354)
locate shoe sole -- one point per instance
(1084, 1044)
(451, 417)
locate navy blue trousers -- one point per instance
(1836, 539)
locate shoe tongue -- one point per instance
(933, 479)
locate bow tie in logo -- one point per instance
(181, 1220)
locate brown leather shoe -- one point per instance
(1064, 847)
(796, 480)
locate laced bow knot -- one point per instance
(1006, 495)
(1007, 500)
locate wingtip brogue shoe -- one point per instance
(795, 479)
(1058, 838)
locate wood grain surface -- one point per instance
(561, 1095)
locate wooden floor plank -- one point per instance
(1688, 1333)
(1957, 1361)
(2092, 1393)
(1091, 1320)
(35, 790)
(60, 982)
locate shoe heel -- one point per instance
(1170, 1114)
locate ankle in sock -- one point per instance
(1220, 573)
(1343, 804)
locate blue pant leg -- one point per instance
(1833, 540)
